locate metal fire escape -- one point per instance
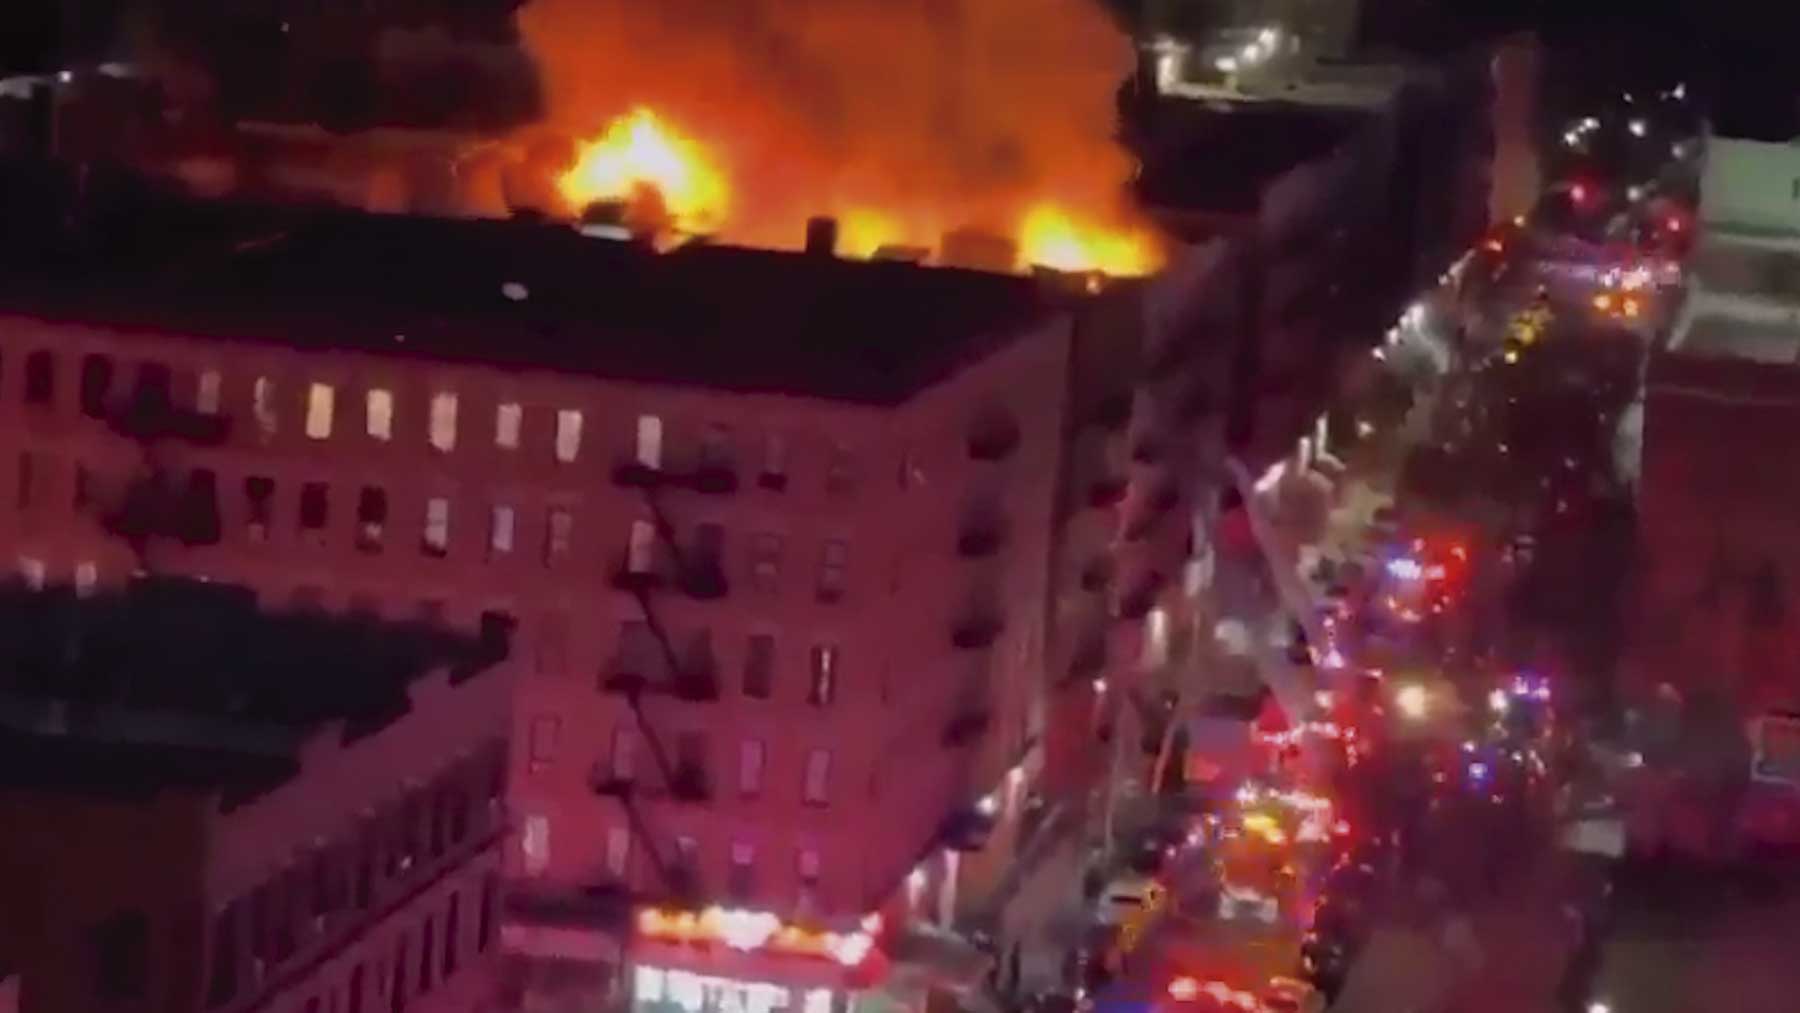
(149, 508)
(693, 679)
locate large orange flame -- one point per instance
(1050, 237)
(640, 151)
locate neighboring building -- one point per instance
(1720, 556)
(775, 528)
(211, 807)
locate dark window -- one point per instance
(40, 378)
(765, 560)
(312, 1004)
(427, 943)
(224, 979)
(834, 560)
(371, 517)
(262, 927)
(365, 869)
(440, 813)
(84, 487)
(496, 785)
(259, 501)
(459, 811)
(122, 945)
(324, 886)
(484, 929)
(406, 835)
(840, 471)
(356, 990)
(397, 985)
(313, 506)
(709, 546)
(155, 385)
(27, 477)
(96, 385)
(452, 920)
(759, 667)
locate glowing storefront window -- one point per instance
(655, 989)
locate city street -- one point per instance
(1440, 476)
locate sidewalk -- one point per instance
(1525, 942)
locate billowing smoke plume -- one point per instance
(934, 113)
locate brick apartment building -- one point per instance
(774, 530)
(210, 807)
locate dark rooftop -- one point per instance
(1218, 157)
(514, 294)
(174, 683)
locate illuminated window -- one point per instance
(262, 406)
(320, 400)
(437, 527)
(534, 844)
(31, 571)
(500, 531)
(378, 405)
(640, 551)
(568, 434)
(649, 441)
(443, 421)
(87, 575)
(509, 417)
(618, 851)
(823, 688)
(752, 756)
(1156, 637)
(208, 392)
(818, 777)
(559, 531)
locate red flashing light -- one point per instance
(1578, 193)
(1674, 225)
(1184, 989)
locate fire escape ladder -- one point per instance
(666, 531)
(679, 884)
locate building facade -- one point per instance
(774, 530)
(189, 834)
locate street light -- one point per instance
(1498, 702)
(1412, 701)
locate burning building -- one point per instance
(774, 528)
(212, 806)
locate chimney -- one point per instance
(822, 236)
